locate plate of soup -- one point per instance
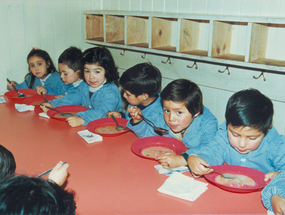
(37, 100)
(107, 126)
(13, 95)
(72, 109)
(152, 147)
(243, 179)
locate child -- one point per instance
(246, 139)
(141, 84)
(41, 72)
(70, 68)
(186, 118)
(7, 164)
(100, 94)
(273, 195)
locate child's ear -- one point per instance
(197, 114)
(48, 64)
(144, 96)
(78, 72)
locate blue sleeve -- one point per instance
(72, 99)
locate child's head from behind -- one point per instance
(140, 81)
(99, 66)
(70, 65)
(28, 195)
(182, 101)
(249, 116)
(7, 163)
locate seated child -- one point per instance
(7, 164)
(186, 118)
(28, 195)
(273, 195)
(41, 72)
(246, 139)
(70, 69)
(99, 94)
(141, 84)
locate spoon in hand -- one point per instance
(44, 97)
(20, 95)
(119, 128)
(157, 129)
(63, 114)
(224, 175)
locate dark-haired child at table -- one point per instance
(273, 195)
(141, 84)
(99, 94)
(41, 72)
(247, 138)
(186, 118)
(7, 164)
(70, 69)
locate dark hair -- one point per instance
(142, 78)
(34, 196)
(7, 164)
(182, 90)
(72, 57)
(250, 108)
(45, 56)
(103, 57)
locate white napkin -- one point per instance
(43, 114)
(23, 107)
(2, 100)
(183, 187)
(90, 137)
(161, 170)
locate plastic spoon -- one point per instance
(158, 129)
(20, 95)
(119, 128)
(221, 174)
(63, 114)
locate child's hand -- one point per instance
(10, 86)
(59, 173)
(40, 90)
(198, 166)
(75, 121)
(278, 204)
(270, 175)
(171, 160)
(43, 106)
(135, 114)
(59, 96)
(116, 114)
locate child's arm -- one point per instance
(278, 204)
(40, 90)
(59, 173)
(136, 114)
(75, 121)
(43, 106)
(171, 160)
(116, 114)
(10, 86)
(269, 176)
(198, 166)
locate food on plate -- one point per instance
(155, 151)
(60, 116)
(107, 129)
(237, 181)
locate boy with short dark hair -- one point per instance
(246, 139)
(70, 68)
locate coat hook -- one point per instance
(261, 74)
(123, 52)
(227, 68)
(167, 61)
(194, 64)
(144, 56)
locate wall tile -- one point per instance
(215, 7)
(184, 6)
(199, 6)
(247, 7)
(124, 5)
(135, 5)
(269, 7)
(146, 5)
(232, 7)
(158, 6)
(171, 6)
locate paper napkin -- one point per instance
(2, 100)
(161, 170)
(90, 137)
(43, 114)
(183, 187)
(23, 107)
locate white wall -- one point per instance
(54, 25)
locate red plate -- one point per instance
(254, 174)
(37, 98)
(168, 142)
(64, 109)
(106, 122)
(13, 95)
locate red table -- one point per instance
(107, 177)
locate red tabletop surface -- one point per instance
(106, 177)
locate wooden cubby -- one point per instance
(242, 41)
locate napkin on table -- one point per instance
(182, 186)
(2, 100)
(43, 114)
(161, 170)
(90, 137)
(23, 107)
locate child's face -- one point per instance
(176, 115)
(38, 66)
(131, 98)
(244, 139)
(94, 75)
(67, 75)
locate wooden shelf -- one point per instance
(249, 42)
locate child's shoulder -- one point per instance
(274, 137)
